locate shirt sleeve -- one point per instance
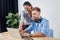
(30, 28)
(22, 17)
(45, 28)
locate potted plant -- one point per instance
(13, 20)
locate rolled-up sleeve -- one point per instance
(45, 28)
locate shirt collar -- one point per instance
(39, 20)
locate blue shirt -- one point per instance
(42, 25)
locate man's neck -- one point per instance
(37, 18)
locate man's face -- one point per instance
(27, 8)
(35, 14)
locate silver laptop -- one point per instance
(14, 33)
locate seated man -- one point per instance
(40, 25)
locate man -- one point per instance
(40, 25)
(26, 16)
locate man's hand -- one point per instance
(26, 34)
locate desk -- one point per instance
(8, 37)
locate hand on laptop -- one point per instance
(26, 34)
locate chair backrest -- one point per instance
(51, 33)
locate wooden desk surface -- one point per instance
(6, 37)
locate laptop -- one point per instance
(14, 33)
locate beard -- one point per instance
(34, 18)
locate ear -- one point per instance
(40, 12)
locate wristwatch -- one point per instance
(30, 35)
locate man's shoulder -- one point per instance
(44, 19)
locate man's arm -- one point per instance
(25, 33)
(38, 35)
(44, 30)
(27, 30)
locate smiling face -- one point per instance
(27, 8)
(36, 13)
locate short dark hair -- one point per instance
(27, 3)
(36, 8)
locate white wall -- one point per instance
(50, 10)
